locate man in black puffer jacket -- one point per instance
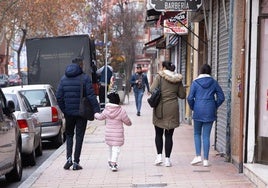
(68, 97)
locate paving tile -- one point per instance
(136, 168)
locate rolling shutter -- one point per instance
(220, 56)
(182, 50)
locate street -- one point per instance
(48, 149)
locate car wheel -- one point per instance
(16, 173)
(39, 149)
(32, 158)
(59, 139)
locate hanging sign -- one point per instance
(176, 5)
(176, 24)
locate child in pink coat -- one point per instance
(115, 117)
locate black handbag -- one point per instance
(85, 108)
(154, 99)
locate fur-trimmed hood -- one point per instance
(170, 76)
(166, 115)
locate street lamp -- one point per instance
(106, 50)
(106, 60)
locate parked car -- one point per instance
(14, 80)
(10, 142)
(4, 82)
(30, 127)
(49, 114)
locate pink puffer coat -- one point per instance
(115, 117)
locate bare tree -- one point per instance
(96, 27)
(22, 19)
(31, 18)
(125, 32)
(119, 20)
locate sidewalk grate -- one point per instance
(156, 175)
(201, 170)
(94, 141)
(150, 185)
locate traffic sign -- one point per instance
(176, 5)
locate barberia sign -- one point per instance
(176, 5)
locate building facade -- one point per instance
(231, 36)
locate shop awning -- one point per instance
(161, 42)
(152, 15)
(153, 12)
(158, 43)
(153, 42)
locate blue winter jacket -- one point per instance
(68, 91)
(144, 82)
(204, 98)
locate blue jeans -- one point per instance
(203, 128)
(138, 93)
(79, 125)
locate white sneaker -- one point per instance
(114, 167)
(205, 163)
(167, 162)
(158, 160)
(196, 160)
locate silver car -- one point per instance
(4, 82)
(30, 127)
(49, 114)
(10, 142)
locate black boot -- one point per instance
(76, 166)
(68, 164)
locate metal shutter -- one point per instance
(183, 55)
(220, 57)
(182, 50)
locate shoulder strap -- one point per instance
(139, 76)
(159, 81)
(81, 86)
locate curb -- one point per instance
(37, 173)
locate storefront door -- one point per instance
(262, 101)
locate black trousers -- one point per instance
(77, 125)
(159, 140)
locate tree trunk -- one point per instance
(24, 33)
(7, 57)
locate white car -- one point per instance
(30, 127)
(49, 114)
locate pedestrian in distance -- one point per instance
(204, 98)
(103, 83)
(166, 114)
(115, 117)
(68, 98)
(139, 81)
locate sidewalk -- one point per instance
(136, 160)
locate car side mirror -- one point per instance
(34, 108)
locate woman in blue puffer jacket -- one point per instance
(204, 99)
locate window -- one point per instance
(38, 98)
(26, 103)
(13, 97)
